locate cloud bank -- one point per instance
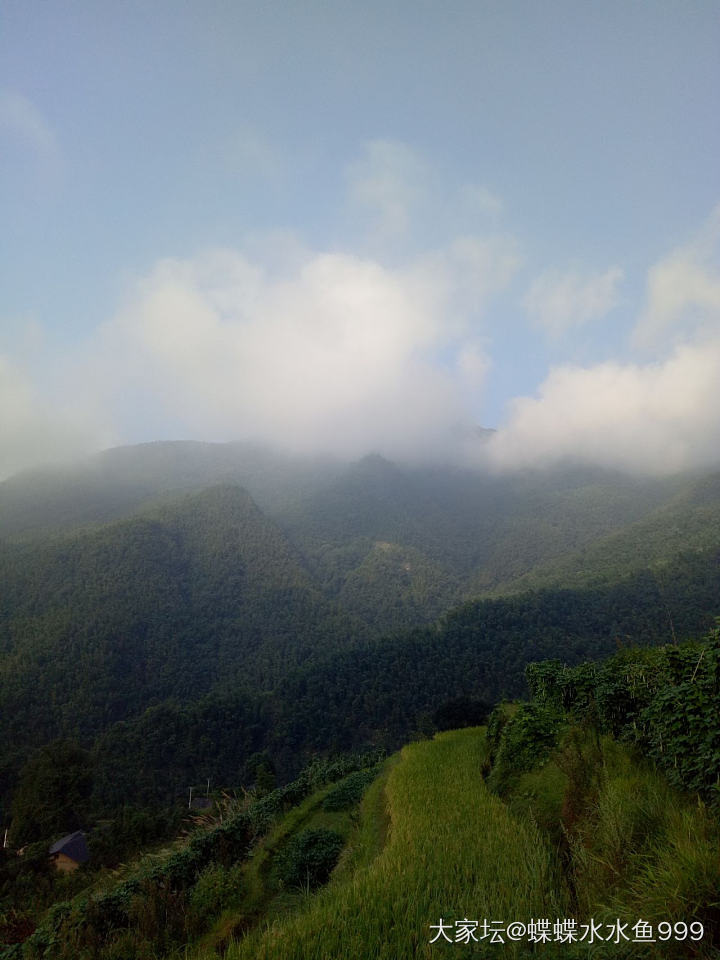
(683, 290)
(33, 430)
(332, 351)
(657, 416)
(339, 353)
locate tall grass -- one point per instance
(643, 850)
(453, 851)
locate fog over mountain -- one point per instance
(217, 268)
(339, 354)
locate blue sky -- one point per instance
(356, 226)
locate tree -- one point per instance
(53, 793)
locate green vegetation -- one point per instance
(53, 793)
(169, 896)
(194, 630)
(551, 814)
(350, 791)
(453, 851)
(587, 830)
(380, 692)
(309, 858)
(573, 760)
(159, 628)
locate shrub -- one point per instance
(309, 858)
(350, 791)
(215, 890)
(526, 742)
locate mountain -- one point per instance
(381, 691)
(116, 482)
(174, 620)
(202, 593)
(477, 531)
(688, 521)
(473, 534)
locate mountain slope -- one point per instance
(463, 533)
(381, 692)
(453, 849)
(689, 521)
(116, 482)
(475, 530)
(205, 592)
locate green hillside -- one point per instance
(380, 692)
(690, 520)
(589, 836)
(172, 632)
(479, 530)
(578, 824)
(203, 593)
(452, 850)
(394, 586)
(471, 534)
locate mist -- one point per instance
(336, 352)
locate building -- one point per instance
(69, 852)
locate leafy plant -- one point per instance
(309, 858)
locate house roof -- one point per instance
(73, 846)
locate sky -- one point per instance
(362, 227)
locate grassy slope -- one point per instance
(453, 851)
(434, 842)
(261, 897)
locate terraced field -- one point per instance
(452, 851)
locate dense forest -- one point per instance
(178, 615)
(383, 691)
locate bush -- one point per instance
(309, 857)
(215, 890)
(350, 791)
(525, 743)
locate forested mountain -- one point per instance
(118, 481)
(382, 691)
(394, 543)
(690, 519)
(202, 593)
(177, 607)
(470, 523)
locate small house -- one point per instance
(69, 852)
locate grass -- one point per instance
(644, 850)
(261, 898)
(632, 846)
(452, 850)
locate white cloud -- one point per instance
(34, 430)
(335, 353)
(558, 301)
(658, 418)
(387, 184)
(683, 289)
(328, 351)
